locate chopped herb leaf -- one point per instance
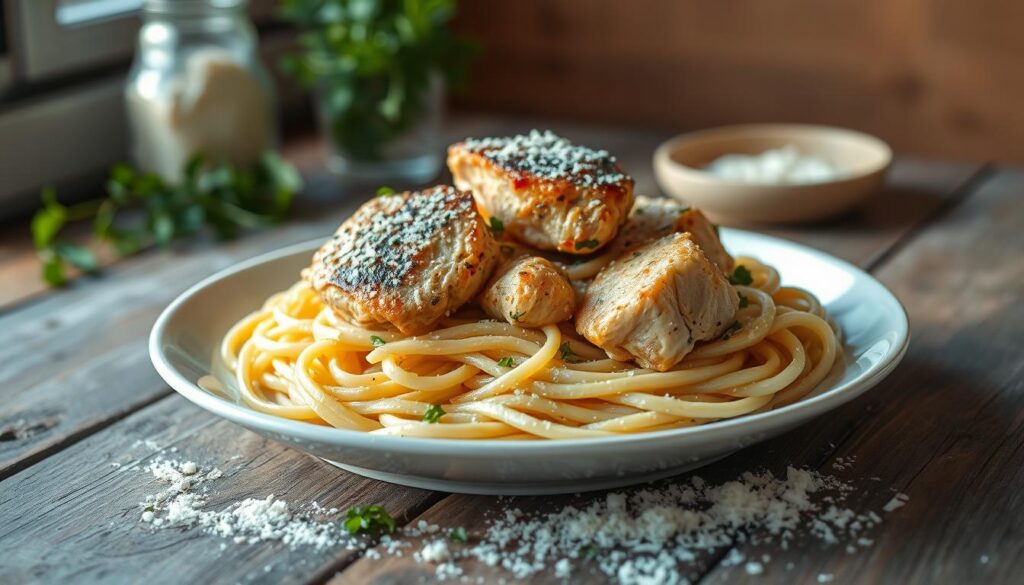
(638, 210)
(683, 210)
(507, 250)
(744, 301)
(665, 227)
(377, 341)
(587, 244)
(459, 535)
(515, 316)
(372, 520)
(731, 330)
(433, 414)
(385, 191)
(497, 226)
(225, 197)
(567, 355)
(587, 551)
(506, 362)
(741, 276)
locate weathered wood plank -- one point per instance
(947, 427)
(92, 335)
(75, 517)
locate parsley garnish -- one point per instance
(587, 551)
(515, 316)
(587, 244)
(741, 276)
(377, 341)
(433, 414)
(731, 330)
(744, 301)
(385, 191)
(497, 226)
(459, 535)
(567, 355)
(638, 210)
(683, 210)
(506, 362)
(221, 196)
(372, 520)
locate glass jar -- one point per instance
(197, 86)
(413, 157)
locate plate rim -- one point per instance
(748, 424)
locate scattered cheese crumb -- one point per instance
(897, 501)
(644, 535)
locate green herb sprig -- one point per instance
(371, 520)
(433, 414)
(459, 535)
(741, 275)
(373, 64)
(224, 197)
(565, 350)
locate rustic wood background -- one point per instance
(935, 77)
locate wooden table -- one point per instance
(947, 428)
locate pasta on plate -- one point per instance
(482, 379)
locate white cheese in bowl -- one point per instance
(775, 167)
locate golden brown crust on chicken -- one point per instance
(405, 260)
(546, 191)
(652, 218)
(652, 304)
(530, 292)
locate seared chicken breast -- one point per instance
(405, 260)
(655, 302)
(652, 218)
(530, 292)
(545, 191)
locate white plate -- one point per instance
(874, 325)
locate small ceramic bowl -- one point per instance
(861, 159)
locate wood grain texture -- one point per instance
(935, 78)
(76, 516)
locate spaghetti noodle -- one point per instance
(480, 379)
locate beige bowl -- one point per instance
(862, 159)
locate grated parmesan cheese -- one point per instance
(641, 536)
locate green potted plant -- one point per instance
(379, 70)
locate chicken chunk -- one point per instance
(405, 260)
(655, 302)
(546, 191)
(652, 218)
(530, 292)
